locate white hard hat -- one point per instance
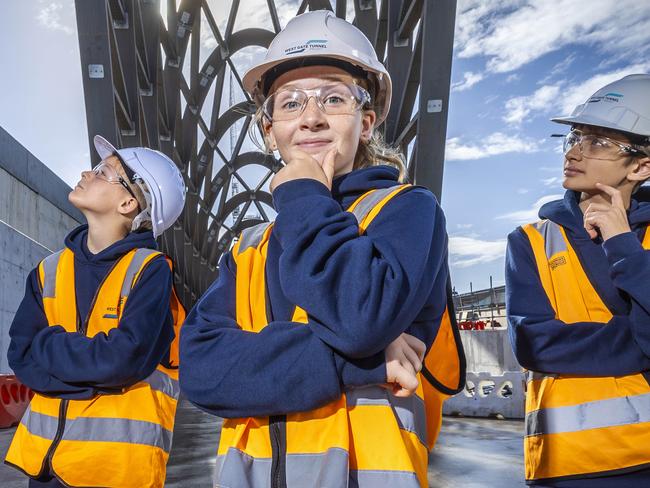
(164, 187)
(623, 105)
(316, 35)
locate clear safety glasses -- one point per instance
(597, 147)
(106, 172)
(332, 98)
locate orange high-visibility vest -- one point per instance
(576, 426)
(121, 440)
(368, 436)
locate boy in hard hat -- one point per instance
(578, 301)
(96, 334)
(344, 293)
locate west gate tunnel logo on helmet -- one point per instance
(310, 44)
(608, 97)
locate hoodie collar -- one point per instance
(76, 241)
(350, 186)
(568, 213)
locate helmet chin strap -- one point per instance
(145, 214)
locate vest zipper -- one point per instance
(278, 432)
(277, 423)
(82, 327)
(63, 408)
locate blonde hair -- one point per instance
(376, 151)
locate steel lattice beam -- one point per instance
(146, 83)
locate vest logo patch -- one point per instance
(111, 313)
(555, 262)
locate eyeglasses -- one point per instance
(106, 172)
(332, 98)
(597, 147)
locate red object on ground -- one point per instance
(14, 398)
(471, 325)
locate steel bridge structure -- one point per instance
(162, 76)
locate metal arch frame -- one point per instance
(133, 98)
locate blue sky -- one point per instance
(516, 64)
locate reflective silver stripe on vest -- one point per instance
(40, 424)
(325, 469)
(101, 430)
(134, 266)
(409, 412)
(383, 479)
(553, 240)
(236, 469)
(164, 383)
(366, 205)
(252, 236)
(590, 415)
(50, 264)
(535, 375)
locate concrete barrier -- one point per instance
(495, 381)
(490, 395)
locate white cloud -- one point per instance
(513, 77)
(469, 251)
(522, 191)
(469, 80)
(492, 145)
(256, 14)
(513, 33)
(464, 226)
(559, 69)
(518, 108)
(208, 40)
(49, 16)
(530, 214)
(552, 181)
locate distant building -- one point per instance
(487, 306)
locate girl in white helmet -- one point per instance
(96, 335)
(344, 293)
(578, 305)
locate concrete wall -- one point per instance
(18, 256)
(35, 217)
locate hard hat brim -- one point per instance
(594, 121)
(103, 147)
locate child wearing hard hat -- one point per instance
(578, 304)
(344, 293)
(96, 335)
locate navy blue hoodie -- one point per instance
(360, 292)
(619, 270)
(73, 366)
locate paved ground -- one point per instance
(478, 453)
(471, 453)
